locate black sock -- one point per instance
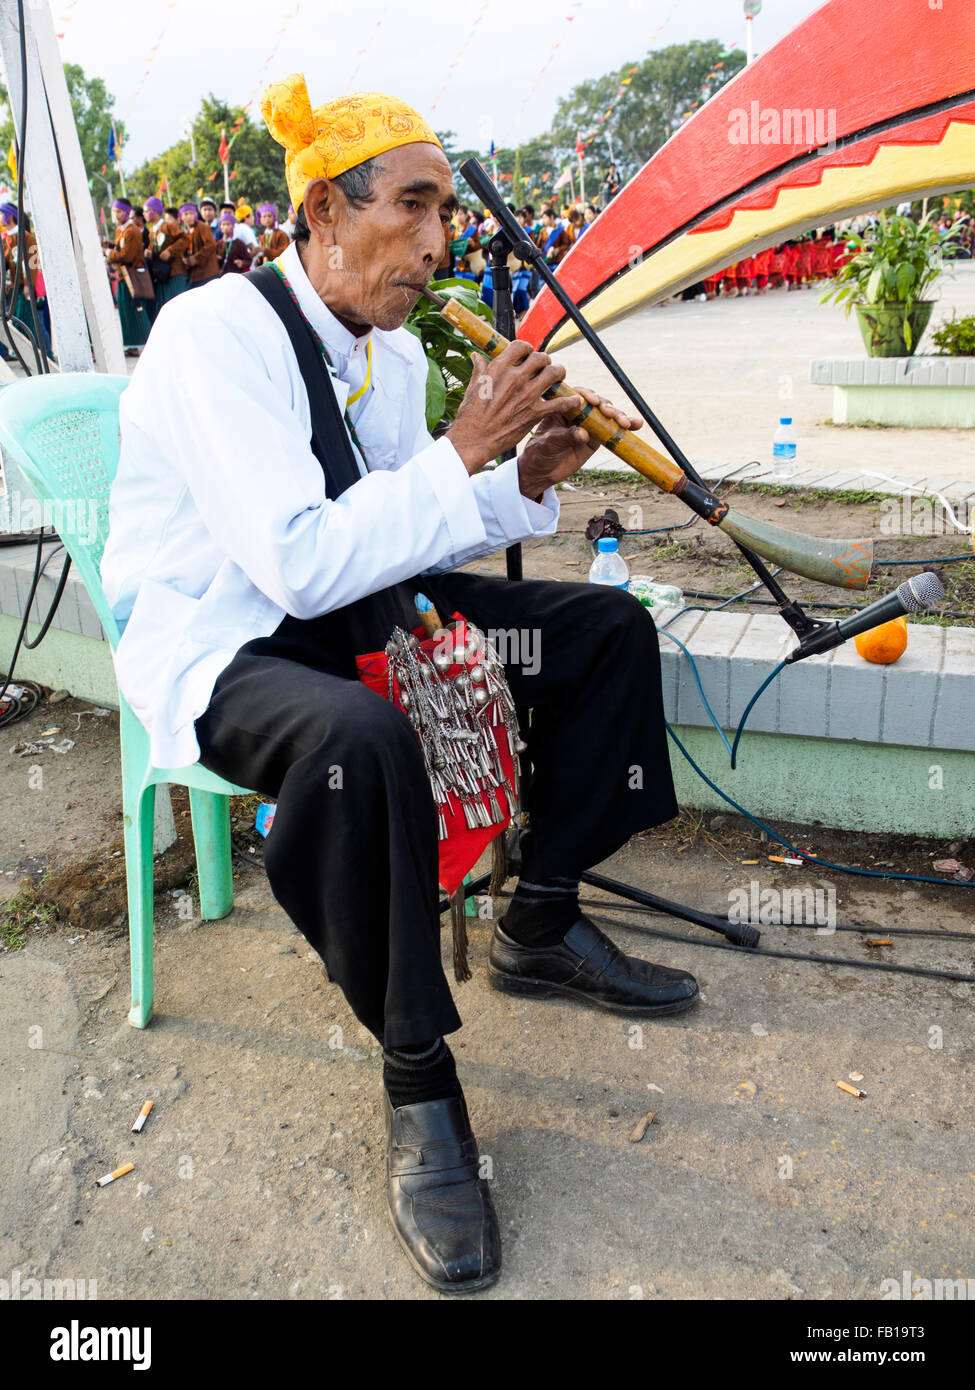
(542, 910)
(422, 1072)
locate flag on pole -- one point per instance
(12, 160)
(563, 179)
(113, 145)
(163, 186)
(579, 147)
(223, 152)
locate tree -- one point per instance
(91, 103)
(256, 163)
(664, 88)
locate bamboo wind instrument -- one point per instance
(846, 564)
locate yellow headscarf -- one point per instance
(326, 141)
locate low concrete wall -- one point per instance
(847, 785)
(74, 654)
(921, 392)
(835, 739)
(64, 661)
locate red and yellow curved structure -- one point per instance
(865, 103)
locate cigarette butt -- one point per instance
(143, 1116)
(783, 859)
(641, 1127)
(879, 941)
(749, 862)
(573, 562)
(852, 1090)
(119, 1173)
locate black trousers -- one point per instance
(352, 854)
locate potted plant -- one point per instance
(892, 268)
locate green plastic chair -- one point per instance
(62, 431)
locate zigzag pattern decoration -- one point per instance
(894, 129)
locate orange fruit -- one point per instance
(885, 643)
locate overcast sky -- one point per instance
(499, 49)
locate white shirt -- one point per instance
(219, 523)
(245, 233)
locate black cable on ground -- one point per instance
(791, 955)
(811, 603)
(809, 926)
(29, 646)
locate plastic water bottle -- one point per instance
(784, 449)
(609, 567)
(665, 601)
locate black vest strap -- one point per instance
(370, 619)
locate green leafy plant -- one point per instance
(895, 263)
(956, 337)
(449, 353)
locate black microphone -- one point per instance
(915, 595)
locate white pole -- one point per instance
(226, 182)
(750, 51)
(74, 271)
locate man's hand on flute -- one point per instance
(505, 399)
(557, 448)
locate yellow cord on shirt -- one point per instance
(365, 385)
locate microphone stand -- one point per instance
(477, 178)
(500, 247)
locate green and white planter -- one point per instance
(882, 327)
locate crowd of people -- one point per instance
(792, 265)
(160, 252)
(466, 254)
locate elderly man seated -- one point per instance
(279, 504)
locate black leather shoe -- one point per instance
(586, 965)
(441, 1210)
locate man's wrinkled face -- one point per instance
(380, 256)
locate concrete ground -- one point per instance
(718, 376)
(259, 1173)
